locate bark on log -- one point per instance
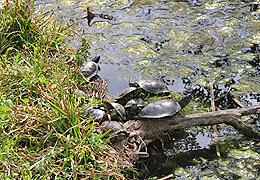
(145, 131)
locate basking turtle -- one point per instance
(163, 108)
(115, 110)
(128, 94)
(96, 115)
(90, 68)
(151, 86)
(134, 106)
(113, 128)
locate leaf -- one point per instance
(26, 100)
(5, 108)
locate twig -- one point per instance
(178, 151)
(167, 177)
(120, 41)
(213, 110)
(241, 105)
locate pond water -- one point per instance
(183, 43)
(186, 44)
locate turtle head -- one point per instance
(133, 85)
(122, 135)
(96, 59)
(184, 101)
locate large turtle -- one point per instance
(163, 108)
(151, 86)
(113, 128)
(128, 94)
(90, 68)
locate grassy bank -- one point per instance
(42, 135)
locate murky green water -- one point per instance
(186, 44)
(173, 41)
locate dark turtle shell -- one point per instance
(96, 115)
(160, 109)
(164, 108)
(116, 110)
(90, 68)
(128, 94)
(113, 128)
(151, 86)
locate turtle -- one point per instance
(115, 110)
(163, 108)
(134, 106)
(151, 86)
(96, 115)
(113, 128)
(90, 68)
(128, 94)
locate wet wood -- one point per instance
(213, 110)
(170, 176)
(145, 131)
(90, 15)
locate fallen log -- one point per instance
(145, 131)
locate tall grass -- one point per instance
(42, 135)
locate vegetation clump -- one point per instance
(42, 135)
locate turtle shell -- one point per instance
(96, 115)
(114, 128)
(89, 69)
(128, 94)
(134, 106)
(160, 109)
(136, 101)
(151, 86)
(116, 110)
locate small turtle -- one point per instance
(134, 106)
(163, 108)
(136, 101)
(113, 128)
(115, 110)
(128, 94)
(96, 115)
(151, 86)
(90, 68)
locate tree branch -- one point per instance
(145, 131)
